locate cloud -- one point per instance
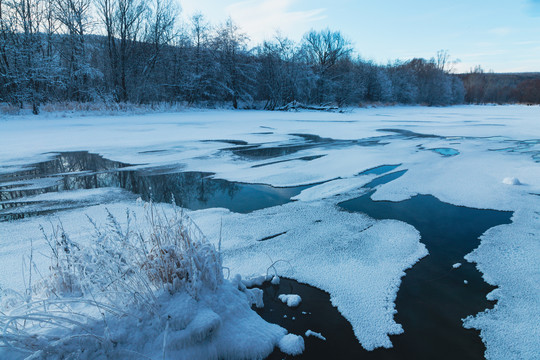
(261, 18)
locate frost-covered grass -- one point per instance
(151, 287)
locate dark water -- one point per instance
(320, 316)
(83, 170)
(304, 142)
(432, 298)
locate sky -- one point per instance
(498, 35)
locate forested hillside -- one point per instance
(135, 51)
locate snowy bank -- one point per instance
(151, 287)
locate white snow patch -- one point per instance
(275, 280)
(292, 300)
(256, 280)
(332, 188)
(456, 265)
(291, 344)
(511, 181)
(508, 258)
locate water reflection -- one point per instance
(21, 191)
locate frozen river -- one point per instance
(425, 189)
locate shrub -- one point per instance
(122, 270)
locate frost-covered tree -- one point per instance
(138, 51)
(322, 50)
(74, 21)
(236, 76)
(282, 77)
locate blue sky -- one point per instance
(499, 35)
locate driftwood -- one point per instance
(295, 105)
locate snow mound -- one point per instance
(456, 265)
(292, 300)
(291, 344)
(152, 288)
(511, 181)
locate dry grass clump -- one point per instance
(121, 272)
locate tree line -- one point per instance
(139, 51)
(491, 88)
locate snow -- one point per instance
(315, 334)
(333, 188)
(359, 261)
(275, 280)
(456, 265)
(508, 259)
(206, 318)
(292, 300)
(511, 181)
(291, 344)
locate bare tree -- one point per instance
(324, 48)
(123, 21)
(74, 16)
(238, 74)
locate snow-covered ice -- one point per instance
(508, 257)
(358, 260)
(456, 265)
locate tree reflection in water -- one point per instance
(82, 170)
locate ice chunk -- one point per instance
(255, 297)
(275, 280)
(291, 300)
(291, 344)
(456, 265)
(315, 334)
